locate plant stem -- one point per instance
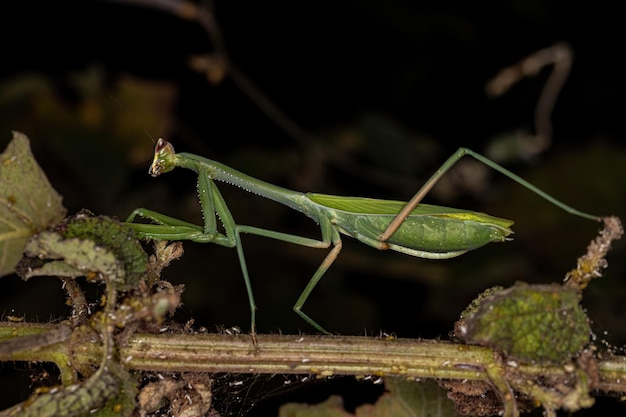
(316, 355)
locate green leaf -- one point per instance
(28, 203)
(332, 407)
(530, 323)
(403, 399)
(410, 399)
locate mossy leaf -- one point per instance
(114, 236)
(124, 403)
(108, 392)
(533, 323)
(82, 254)
(86, 244)
(28, 203)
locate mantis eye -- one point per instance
(161, 145)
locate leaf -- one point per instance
(28, 203)
(410, 399)
(114, 236)
(403, 399)
(332, 407)
(82, 254)
(34, 267)
(110, 391)
(86, 244)
(530, 323)
(124, 403)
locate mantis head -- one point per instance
(163, 158)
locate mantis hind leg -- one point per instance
(449, 163)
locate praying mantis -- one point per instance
(413, 228)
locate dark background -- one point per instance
(384, 92)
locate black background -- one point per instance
(375, 83)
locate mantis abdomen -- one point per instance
(433, 232)
(434, 237)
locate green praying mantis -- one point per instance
(416, 229)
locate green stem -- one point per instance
(318, 355)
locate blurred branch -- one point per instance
(560, 56)
(316, 156)
(219, 65)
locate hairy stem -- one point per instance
(317, 355)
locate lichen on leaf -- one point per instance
(86, 244)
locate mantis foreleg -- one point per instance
(212, 202)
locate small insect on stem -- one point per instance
(413, 228)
